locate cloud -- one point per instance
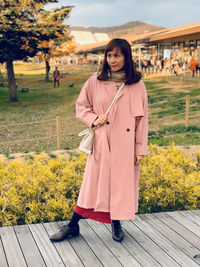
(168, 13)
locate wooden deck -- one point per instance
(160, 239)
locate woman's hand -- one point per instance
(138, 159)
(101, 120)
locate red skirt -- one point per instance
(99, 216)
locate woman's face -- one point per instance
(115, 59)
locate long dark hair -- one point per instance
(132, 75)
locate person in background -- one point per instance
(176, 68)
(193, 64)
(158, 65)
(56, 76)
(198, 65)
(162, 63)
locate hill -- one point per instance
(135, 27)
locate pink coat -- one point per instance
(111, 179)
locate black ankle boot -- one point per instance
(117, 232)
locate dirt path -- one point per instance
(188, 150)
(53, 154)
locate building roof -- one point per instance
(131, 37)
(176, 34)
(94, 48)
(101, 37)
(90, 47)
(83, 37)
(86, 37)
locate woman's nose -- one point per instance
(112, 59)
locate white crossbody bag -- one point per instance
(87, 142)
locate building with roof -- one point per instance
(183, 41)
(172, 45)
(86, 37)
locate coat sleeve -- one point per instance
(141, 135)
(84, 104)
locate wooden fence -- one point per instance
(58, 125)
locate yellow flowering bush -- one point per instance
(169, 180)
(44, 189)
(39, 190)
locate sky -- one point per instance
(104, 13)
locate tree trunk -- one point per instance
(47, 70)
(12, 88)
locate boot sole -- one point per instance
(61, 239)
(75, 234)
(118, 240)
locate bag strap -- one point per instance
(114, 99)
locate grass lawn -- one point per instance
(44, 103)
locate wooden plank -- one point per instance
(65, 250)
(170, 234)
(167, 246)
(101, 251)
(11, 246)
(191, 216)
(197, 212)
(28, 246)
(179, 228)
(193, 227)
(148, 244)
(3, 261)
(82, 249)
(46, 248)
(118, 250)
(142, 256)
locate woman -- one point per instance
(109, 190)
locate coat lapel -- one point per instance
(112, 93)
(109, 89)
(122, 92)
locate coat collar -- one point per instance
(112, 84)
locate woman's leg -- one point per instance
(117, 232)
(75, 219)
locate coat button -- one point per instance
(108, 122)
(128, 129)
